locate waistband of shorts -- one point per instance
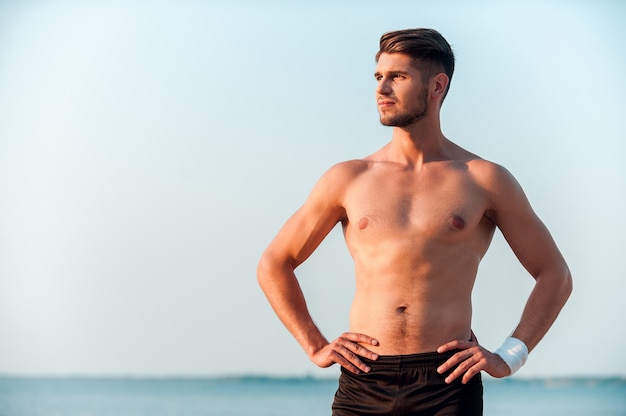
(426, 359)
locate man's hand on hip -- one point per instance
(471, 360)
(346, 351)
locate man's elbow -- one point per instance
(568, 283)
(565, 283)
(269, 267)
(263, 270)
(557, 280)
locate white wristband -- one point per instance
(514, 353)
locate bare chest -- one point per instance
(441, 206)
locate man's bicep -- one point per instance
(533, 245)
(308, 226)
(303, 233)
(525, 233)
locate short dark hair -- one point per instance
(430, 52)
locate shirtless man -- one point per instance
(418, 215)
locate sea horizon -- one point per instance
(278, 395)
(253, 376)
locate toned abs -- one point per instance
(416, 238)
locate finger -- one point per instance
(461, 369)
(456, 345)
(350, 360)
(460, 360)
(360, 350)
(356, 337)
(351, 342)
(469, 374)
(472, 365)
(450, 363)
(347, 365)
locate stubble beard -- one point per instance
(410, 117)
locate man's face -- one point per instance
(401, 95)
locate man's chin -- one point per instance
(393, 122)
(403, 120)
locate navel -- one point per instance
(401, 309)
(458, 222)
(363, 223)
(401, 321)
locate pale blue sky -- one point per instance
(149, 151)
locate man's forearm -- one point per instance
(284, 293)
(546, 300)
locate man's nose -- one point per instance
(383, 87)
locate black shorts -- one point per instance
(407, 385)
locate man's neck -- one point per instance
(417, 144)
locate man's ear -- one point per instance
(439, 85)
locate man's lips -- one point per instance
(385, 103)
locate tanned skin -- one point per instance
(418, 216)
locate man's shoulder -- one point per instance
(348, 169)
(495, 179)
(485, 169)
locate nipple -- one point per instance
(458, 222)
(363, 223)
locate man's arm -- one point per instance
(295, 242)
(537, 252)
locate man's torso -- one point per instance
(416, 238)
